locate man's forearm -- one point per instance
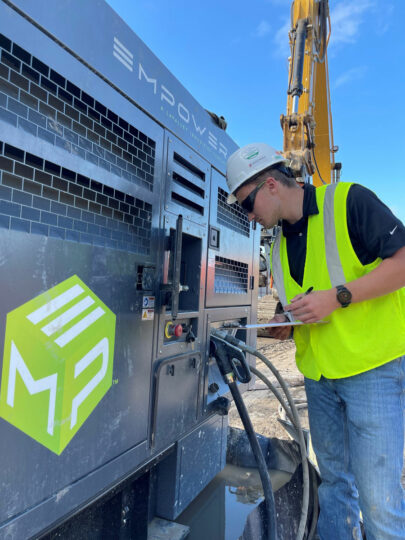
(389, 276)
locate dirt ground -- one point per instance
(263, 407)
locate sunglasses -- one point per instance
(249, 203)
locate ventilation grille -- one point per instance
(43, 103)
(40, 197)
(232, 215)
(231, 277)
(188, 186)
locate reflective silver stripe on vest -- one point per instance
(334, 264)
(278, 273)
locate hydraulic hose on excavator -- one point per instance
(229, 354)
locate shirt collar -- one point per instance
(309, 208)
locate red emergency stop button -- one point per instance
(173, 330)
(178, 330)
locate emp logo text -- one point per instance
(58, 362)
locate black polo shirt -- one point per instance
(373, 229)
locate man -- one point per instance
(339, 258)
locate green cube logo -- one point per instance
(58, 362)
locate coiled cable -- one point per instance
(292, 413)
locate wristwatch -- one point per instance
(343, 295)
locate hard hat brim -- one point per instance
(248, 162)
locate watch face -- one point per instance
(344, 296)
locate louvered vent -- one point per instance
(41, 197)
(40, 101)
(188, 186)
(231, 215)
(231, 277)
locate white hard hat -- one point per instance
(249, 161)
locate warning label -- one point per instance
(148, 314)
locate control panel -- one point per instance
(181, 330)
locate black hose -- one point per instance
(315, 504)
(321, 38)
(301, 441)
(260, 460)
(312, 146)
(274, 390)
(313, 478)
(296, 422)
(299, 55)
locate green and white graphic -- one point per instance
(58, 362)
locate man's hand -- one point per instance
(279, 332)
(314, 306)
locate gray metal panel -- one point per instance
(234, 253)
(198, 458)
(119, 422)
(133, 69)
(175, 403)
(202, 457)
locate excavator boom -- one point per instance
(307, 125)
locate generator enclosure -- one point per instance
(118, 253)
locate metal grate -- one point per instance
(232, 215)
(40, 197)
(43, 103)
(231, 277)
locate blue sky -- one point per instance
(232, 57)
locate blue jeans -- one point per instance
(357, 430)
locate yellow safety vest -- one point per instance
(357, 338)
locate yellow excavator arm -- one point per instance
(307, 125)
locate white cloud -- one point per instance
(384, 16)
(281, 39)
(347, 16)
(346, 19)
(263, 29)
(350, 75)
